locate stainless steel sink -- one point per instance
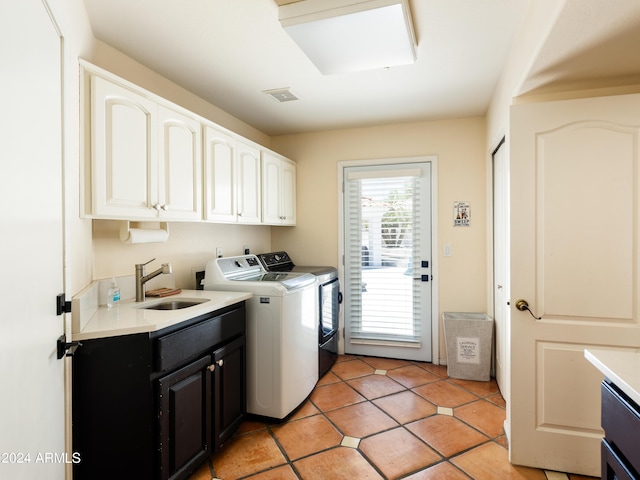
(174, 304)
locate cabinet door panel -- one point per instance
(249, 191)
(271, 178)
(288, 194)
(123, 150)
(185, 435)
(219, 177)
(229, 390)
(179, 174)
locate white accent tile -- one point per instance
(555, 475)
(350, 442)
(445, 411)
(380, 372)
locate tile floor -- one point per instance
(377, 418)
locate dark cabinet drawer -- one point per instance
(621, 423)
(176, 348)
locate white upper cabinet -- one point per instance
(249, 188)
(149, 159)
(180, 168)
(123, 149)
(219, 176)
(231, 179)
(145, 158)
(278, 190)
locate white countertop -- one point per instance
(621, 367)
(128, 317)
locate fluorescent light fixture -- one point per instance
(341, 36)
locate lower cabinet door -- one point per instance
(184, 416)
(229, 390)
(613, 467)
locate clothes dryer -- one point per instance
(329, 299)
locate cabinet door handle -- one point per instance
(220, 362)
(211, 368)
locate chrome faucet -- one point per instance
(142, 279)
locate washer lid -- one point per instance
(247, 268)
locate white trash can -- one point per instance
(469, 341)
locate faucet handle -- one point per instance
(146, 263)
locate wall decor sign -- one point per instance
(461, 214)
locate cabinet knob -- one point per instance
(157, 207)
(211, 368)
(165, 207)
(220, 362)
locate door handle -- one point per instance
(523, 306)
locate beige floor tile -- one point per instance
(405, 407)
(305, 410)
(447, 435)
(374, 386)
(202, 473)
(247, 454)
(285, 472)
(482, 389)
(306, 436)
(336, 395)
(361, 420)
(250, 426)
(352, 369)
(445, 394)
(385, 363)
(412, 376)
(490, 462)
(397, 452)
(440, 370)
(342, 463)
(328, 378)
(498, 399)
(441, 471)
(483, 415)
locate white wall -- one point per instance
(460, 148)
(189, 247)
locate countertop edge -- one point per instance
(99, 325)
(616, 365)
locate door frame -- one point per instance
(501, 141)
(435, 307)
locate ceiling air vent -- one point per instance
(281, 95)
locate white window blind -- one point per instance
(381, 235)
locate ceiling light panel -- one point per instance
(341, 36)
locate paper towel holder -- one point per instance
(137, 232)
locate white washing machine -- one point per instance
(282, 334)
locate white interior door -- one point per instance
(388, 268)
(501, 265)
(574, 257)
(32, 422)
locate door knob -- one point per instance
(523, 306)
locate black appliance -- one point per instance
(329, 297)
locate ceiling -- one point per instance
(229, 52)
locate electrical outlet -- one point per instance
(218, 252)
(446, 250)
(245, 250)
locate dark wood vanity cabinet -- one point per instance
(156, 405)
(621, 444)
